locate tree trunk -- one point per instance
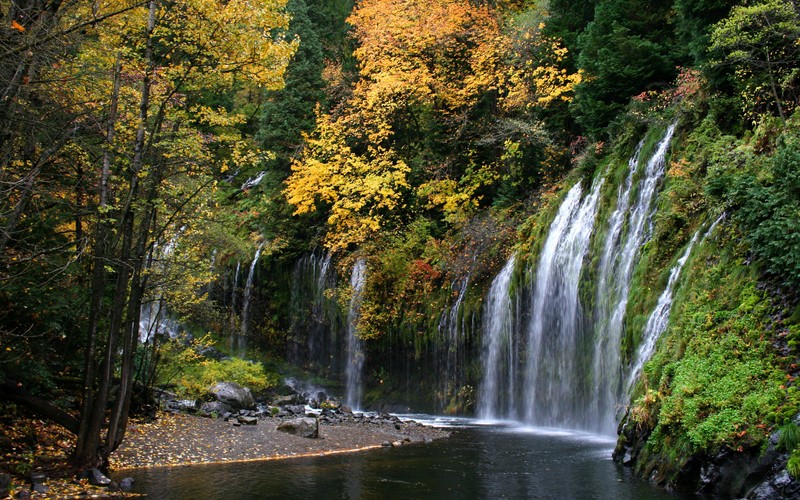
(89, 451)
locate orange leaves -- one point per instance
(17, 26)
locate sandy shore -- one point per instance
(180, 439)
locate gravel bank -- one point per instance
(181, 439)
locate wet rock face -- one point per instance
(233, 395)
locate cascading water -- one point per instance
(451, 328)
(355, 351)
(497, 394)
(154, 318)
(240, 341)
(315, 314)
(234, 295)
(659, 319)
(569, 371)
(617, 263)
(555, 394)
(606, 359)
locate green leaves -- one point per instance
(761, 42)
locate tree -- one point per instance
(133, 86)
(289, 112)
(360, 191)
(693, 21)
(762, 42)
(626, 49)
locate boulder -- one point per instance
(126, 484)
(217, 408)
(246, 420)
(296, 409)
(304, 427)
(182, 405)
(233, 395)
(286, 400)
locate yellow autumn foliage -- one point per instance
(360, 190)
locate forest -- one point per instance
(366, 194)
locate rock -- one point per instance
(95, 477)
(305, 427)
(5, 484)
(296, 409)
(386, 444)
(217, 408)
(284, 400)
(246, 420)
(211, 352)
(183, 405)
(233, 395)
(23, 494)
(37, 480)
(126, 484)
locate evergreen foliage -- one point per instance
(626, 49)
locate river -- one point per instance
(480, 460)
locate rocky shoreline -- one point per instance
(226, 426)
(230, 426)
(182, 439)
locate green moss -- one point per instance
(719, 381)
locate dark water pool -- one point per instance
(478, 461)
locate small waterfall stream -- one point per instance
(497, 394)
(315, 314)
(240, 340)
(355, 351)
(451, 328)
(659, 319)
(234, 297)
(154, 317)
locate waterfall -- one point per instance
(234, 294)
(633, 211)
(606, 360)
(154, 318)
(659, 318)
(555, 372)
(451, 329)
(314, 313)
(240, 342)
(497, 393)
(355, 351)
